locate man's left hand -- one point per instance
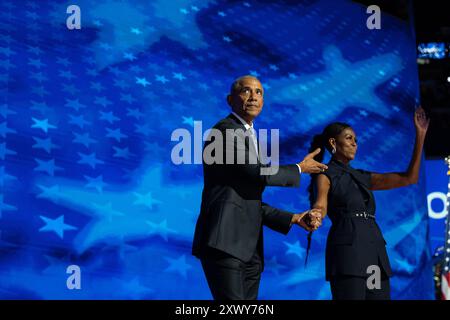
(309, 220)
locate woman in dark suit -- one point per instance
(355, 246)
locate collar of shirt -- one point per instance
(340, 163)
(246, 125)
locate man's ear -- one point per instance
(229, 100)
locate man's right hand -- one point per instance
(309, 165)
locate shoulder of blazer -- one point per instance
(230, 122)
(363, 177)
(333, 169)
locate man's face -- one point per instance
(248, 101)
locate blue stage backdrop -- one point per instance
(87, 116)
(437, 182)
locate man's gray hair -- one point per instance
(236, 86)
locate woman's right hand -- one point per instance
(309, 220)
(421, 122)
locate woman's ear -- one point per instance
(332, 142)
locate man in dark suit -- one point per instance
(228, 236)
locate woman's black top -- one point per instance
(354, 241)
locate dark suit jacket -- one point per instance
(232, 213)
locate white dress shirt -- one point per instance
(252, 132)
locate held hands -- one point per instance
(309, 220)
(421, 122)
(309, 165)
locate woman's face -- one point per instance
(345, 145)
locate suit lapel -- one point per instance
(356, 176)
(240, 125)
(361, 183)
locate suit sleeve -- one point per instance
(283, 175)
(276, 219)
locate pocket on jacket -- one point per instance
(231, 210)
(235, 228)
